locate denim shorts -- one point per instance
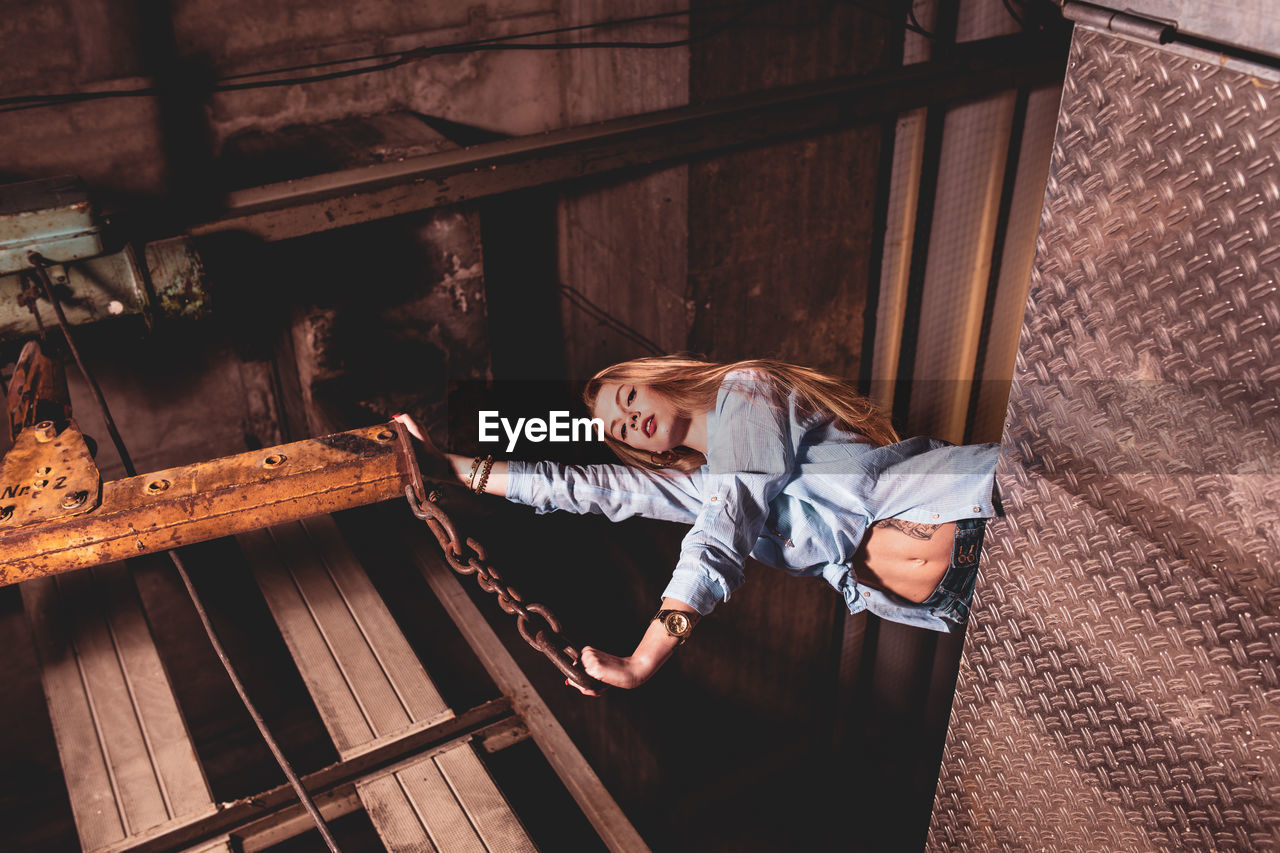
(954, 594)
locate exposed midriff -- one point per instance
(907, 565)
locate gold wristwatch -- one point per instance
(679, 623)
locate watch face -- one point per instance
(678, 624)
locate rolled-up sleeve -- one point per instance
(615, 491)
(751, 451)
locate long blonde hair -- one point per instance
(691, 385)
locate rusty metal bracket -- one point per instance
(38, 390)
(47, 475)
(407, 464)
(49, 472)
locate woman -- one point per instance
(778, 462)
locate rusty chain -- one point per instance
(536, 623)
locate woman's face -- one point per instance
(639, 417)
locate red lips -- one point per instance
(649, 426)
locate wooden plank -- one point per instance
(264, 819)
(393, 815)
(365, 679)
(438, 809)
(445, 801)
(345, 643)
(84, 762)
(956, 276)
(180, 775)
(368, 684)
(488, 811)
(325, 681)
(124, 747)
(617, 832)
(119, 725)
(397, 660)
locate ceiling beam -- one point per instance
(347, 197)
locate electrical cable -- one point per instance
(303, 796)
(913, 23)
(400, 58)
(576, 297)
(31, 297)
(419, 54)
(638, 19)
(41, 263)
(22, 102)
(1008, 7)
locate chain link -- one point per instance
(536, 623)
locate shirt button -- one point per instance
(713, 500)
(937, 515)
(977, 509)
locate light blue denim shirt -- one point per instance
(784, 485)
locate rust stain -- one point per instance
(356, 445)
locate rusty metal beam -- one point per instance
(320, 203)
(193, 503)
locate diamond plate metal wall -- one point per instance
(1119, 687)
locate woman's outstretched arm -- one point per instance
(656, 646)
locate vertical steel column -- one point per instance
(1011, 163)
(944, 30)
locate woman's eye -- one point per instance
(631, 397)
(624, 432)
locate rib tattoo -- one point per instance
(914, 529)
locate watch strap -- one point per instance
(688, 619)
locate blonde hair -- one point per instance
(691, 385)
